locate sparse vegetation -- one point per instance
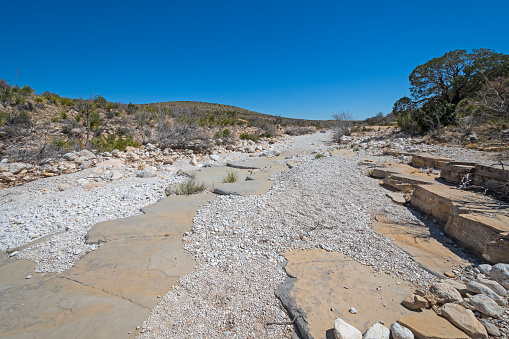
(252, 137)
(190, 186)
(112, 142)
(319, 155)
(231, 177)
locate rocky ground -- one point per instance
(237, 241)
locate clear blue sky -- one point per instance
(301, 59)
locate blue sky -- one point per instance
(301, 59)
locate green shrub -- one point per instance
(111, 142)
(96, 119)
(20, 100)
(63, 115)
(231, 176)
(60, 143)
(100, 100)
(26, 90)
(54, 98)
(319, 155)
(3, 117)
(19, 119)
(190, 186)
(39, 99)
(224, 134)
(252, 137)
(66, 102)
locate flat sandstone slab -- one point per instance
(328, 284)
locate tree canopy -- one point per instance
(440, 84)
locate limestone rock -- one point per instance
(214, 157)
(477, 287)
(149, 172)
(485, 269)
(91, 185)
(86, 154)
(132, 156)
(486, 305)
(377, 331)
(63, 187)
(86, 164)
(495, 286)
(490, 328)
(401, 332)
(415, 302)
(459, 286)
(115, 175)
(342, 330)
(3, 168)
(17, 167)
(445, 293)
(500, 273)
(464, 319)
(69, 156)
(429, 325)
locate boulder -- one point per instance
(401, 332)
(17, 167)
(490, 328)
(500, 273)
(485, 269)
(377, 331)
(464, 319)
(415, 302)
(86, 154)
(69, 156)
(477, 287)
(445, 293)
(86, 164)
(495, 286)
(342, 330)
(486, 305)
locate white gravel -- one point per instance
(236, 242)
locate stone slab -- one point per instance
(429, 325)
(320, 295)
(425, 249)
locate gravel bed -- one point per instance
(56, 220)
(236, 241)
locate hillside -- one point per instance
(34, 127)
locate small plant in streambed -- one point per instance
(319, 155)
(190, 186)
(231, 177)
(370, 173)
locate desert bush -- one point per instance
(231, 177)
(224, 134)
(38, 99)
(111, 142)
(190, 186)
(26, 91)
(51, 97)
(66, 102)
(300, 130)
(342, 125)
(252, 137)
(319, 155)
(3, 117)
